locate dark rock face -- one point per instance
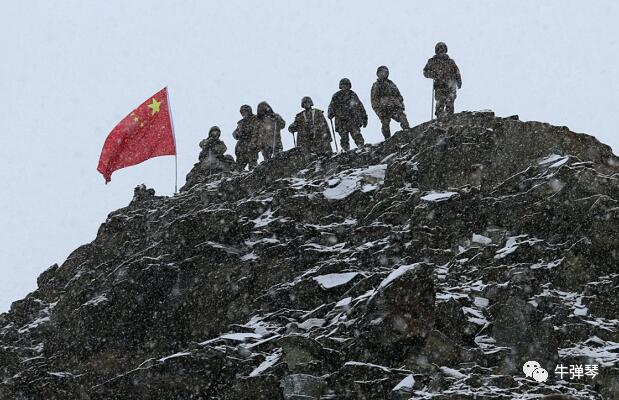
(432, 265)
(519, 326)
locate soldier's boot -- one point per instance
(441, 102)
(322, 147)
(240, 163)
(440, 107)
(449, 107)
(279, 147)
(386, 130)
(267, 152)
(243, 160)
(344, 141)
(253, 161)
(357, 137)
(442, 113)
(404, 121)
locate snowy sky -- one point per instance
(71, 70)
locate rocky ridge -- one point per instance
(428, 266)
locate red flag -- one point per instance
(145, 133)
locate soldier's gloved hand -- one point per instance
(365, 123)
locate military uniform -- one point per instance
(387, 102)
(446, 75)
(213, 155)
(349, 115)
(268, 128)
(246, 149)
(313, 131)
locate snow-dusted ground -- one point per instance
(312, 272)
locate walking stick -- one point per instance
(294, 139)
(274, 131)
(432, 110)
(333, 132)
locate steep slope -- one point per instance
(432, 265)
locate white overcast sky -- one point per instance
(71, 70)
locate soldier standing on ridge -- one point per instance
(269, 124)
(247, 143)
(387, 101)
(349, 114)
(313, 131)
(446, 77)
(213, 156)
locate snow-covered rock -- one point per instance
(430, 264)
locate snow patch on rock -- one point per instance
(268, 362)
(406, 383)
(438, 196)
(396, 274)
(329, 281)
(364, 179)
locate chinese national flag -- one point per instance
(145, 133)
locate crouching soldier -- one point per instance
(313, 131)
(446, 75)
(349, 115)
(387, 102)
(246, 149)
(269, 126)
(212, 157)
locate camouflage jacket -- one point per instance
(444, 71)
(386, 96)
(347, 109)
(311, 126)
(212, 148)
(246, 130)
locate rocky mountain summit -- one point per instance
(429, 266)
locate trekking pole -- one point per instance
(333, 132)
(294, 139)
(274, 130)
(432, 110)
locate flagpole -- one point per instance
(175, 147)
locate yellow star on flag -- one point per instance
(154, 106)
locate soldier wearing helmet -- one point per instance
(446, 75)
(213, 157)
(387, 101)
(247, 142)
(349, 115)
(313, 134)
